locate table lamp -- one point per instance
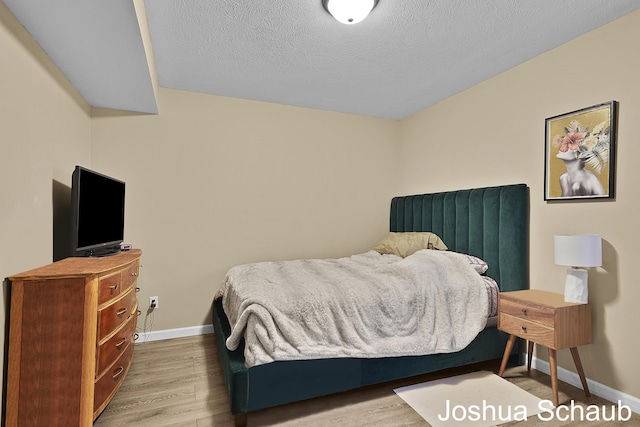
(577, 251)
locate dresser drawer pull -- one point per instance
(139, 312)
(136, 336)
(120, 312)
(137, 289)
(114, 287)
(134, 274)
(524, 311)
(118, 372)
(524, 329)
(121, 343)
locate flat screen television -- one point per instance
(97, 213)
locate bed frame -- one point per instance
(491, 223)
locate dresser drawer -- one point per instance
(534, 313)
(109, 287)
(526, 329)
(115, 314)
(130, 275)
(116, 345)
(108, 383)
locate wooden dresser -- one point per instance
(71, 332)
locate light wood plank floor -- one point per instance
(179, 382)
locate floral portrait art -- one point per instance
(578, 154)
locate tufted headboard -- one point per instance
(491, 223)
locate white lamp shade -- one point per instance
(578, 251)
(350, 11)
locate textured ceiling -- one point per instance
(406, 56)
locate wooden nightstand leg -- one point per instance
(529, 355)
(507, 353)
(553, 365)
(576, 360)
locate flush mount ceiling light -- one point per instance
(349, 11)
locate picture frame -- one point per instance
(580, 154)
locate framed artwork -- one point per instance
(579, 154)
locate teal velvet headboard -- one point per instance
(490, 223)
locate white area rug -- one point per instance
(478, 399)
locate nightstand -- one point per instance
(544, 318)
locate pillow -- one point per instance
(404, 244)
(478, 264)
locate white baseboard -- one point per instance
(174, 333)
(595, 388)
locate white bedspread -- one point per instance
(366, 305)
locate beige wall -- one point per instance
(215, 181)
(493, 134)
(46, 129)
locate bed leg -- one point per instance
(240, 420)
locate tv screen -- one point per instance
(97, 210)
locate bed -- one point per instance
(490, 223)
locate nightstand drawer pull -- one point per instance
(524, 329)
(524, 311)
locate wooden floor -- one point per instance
(179, 382)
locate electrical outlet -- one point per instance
(153, 303)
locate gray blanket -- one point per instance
(366, 305)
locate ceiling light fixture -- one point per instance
(349, 11)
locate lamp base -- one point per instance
(575, 288)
